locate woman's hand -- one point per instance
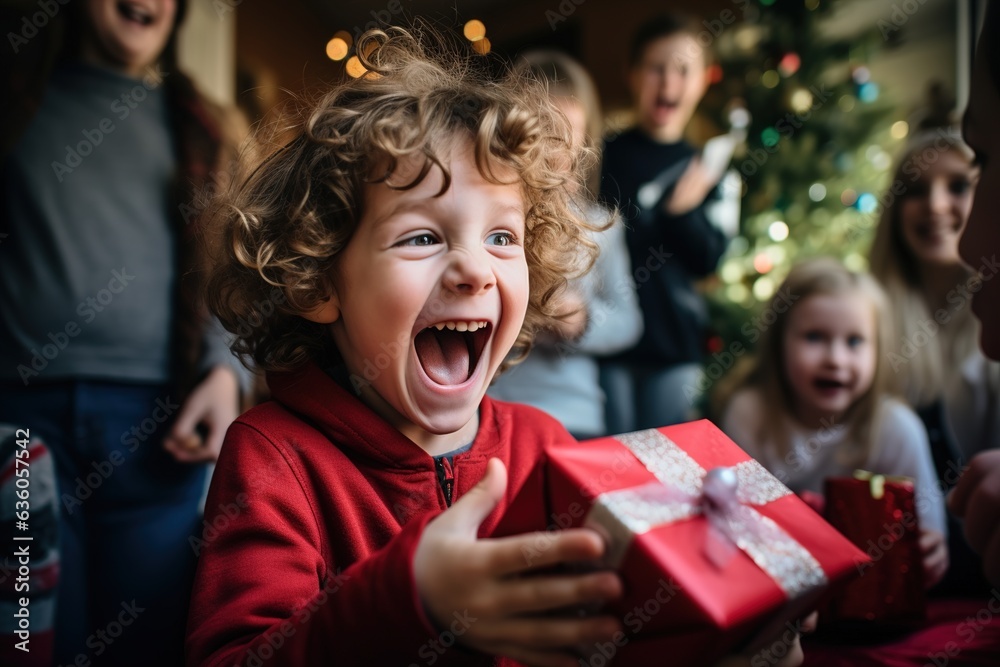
(214, 403)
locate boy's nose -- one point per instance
(672, 82)
(468, 273)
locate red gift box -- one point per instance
(686, 601)
(878, 514)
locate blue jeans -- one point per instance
(642, 397)
(127, 509)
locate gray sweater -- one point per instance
(87, 266)
(563, 379)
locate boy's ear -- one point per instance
(706, 82)
(326, 312)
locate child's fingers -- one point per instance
(190, 414)
(809, 623)
(510, 555)
(184, 449)
(934, 553)
(929, 540)
(471, 509)
(537, 594)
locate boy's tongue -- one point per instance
(444, 355)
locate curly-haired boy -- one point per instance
(380, 267)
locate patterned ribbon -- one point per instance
(679, 494)
(876, 482)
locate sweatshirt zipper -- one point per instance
(445, 479)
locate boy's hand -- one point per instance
(691, 189)
(976, 499)
(934, 552)
(214, 403)
(456, 572)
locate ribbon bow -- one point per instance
(876, 482)
(684, 490)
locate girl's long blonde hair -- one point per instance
(767, 373)
(920, 371)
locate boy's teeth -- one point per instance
(460, 326)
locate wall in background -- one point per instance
(206, 48)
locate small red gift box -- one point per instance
(878, 514)
(703, 569)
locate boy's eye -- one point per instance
(501, 239)
(854, 341)
(814, 336)
(959, 186)
(419, 240)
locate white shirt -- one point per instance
(901, 448)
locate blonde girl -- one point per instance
(814, 404)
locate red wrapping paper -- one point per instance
(891, 587)
(678, 607)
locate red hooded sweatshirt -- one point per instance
(314, 514)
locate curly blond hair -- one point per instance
(280, 230)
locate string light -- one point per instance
(789, 64)
(868, 92)
(801, 100)
(778, 230)
(737, 293)
(354, 67)
(867, 203)
(338, 47)
(899, 129)
(482, 46)
(762, 264)
(763, 289)
(731, 271)
(474, 30)
(739, 118)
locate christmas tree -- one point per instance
(816, 155)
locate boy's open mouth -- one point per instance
(135, 13)
(665, 103)
(449, 351)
